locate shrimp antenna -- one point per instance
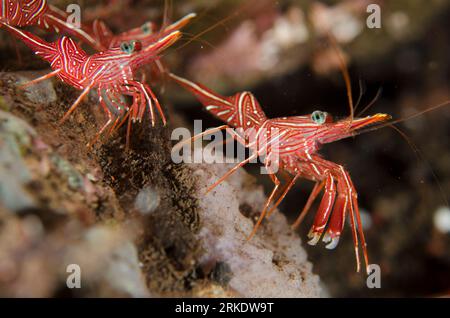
(167, 13)
(420, 157)
(372, 102)
(362, 131)
(344, 71)
(215, 25)
(416, 150)
(362, 90)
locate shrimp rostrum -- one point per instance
(293, 142)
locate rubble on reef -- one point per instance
(272, 264)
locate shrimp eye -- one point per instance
(146, 29)
(131, 47)
(319, 117)
(127, 47)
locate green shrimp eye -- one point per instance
(146, 29)
(127, 47)
(319, 117)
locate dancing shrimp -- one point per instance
(297, 140)
(111, 72)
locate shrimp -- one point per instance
(111, 72)
(293, 144)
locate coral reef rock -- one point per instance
(271, 264)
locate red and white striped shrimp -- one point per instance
(297, 140)
(111, 72)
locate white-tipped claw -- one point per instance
(191, 15)
(333, 244)
(314, 240)
(326, 238)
